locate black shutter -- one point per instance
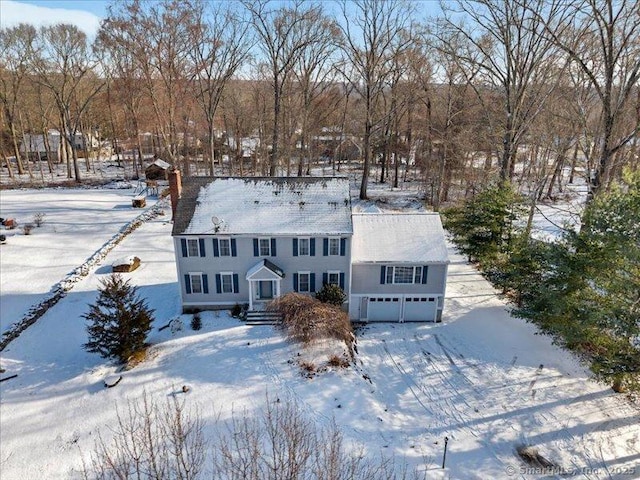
(343, 246)
(342, 281)
(187, 282)
(325, 278)
(383, 274)
(256, 251)
(295, 282)
(236, 287)
(205, 283)
(183, 242)
(295, 247)
(273, 247)
(218, 283)
(234, 248)
(312, 282)
(325, 247)
(216, 247)
(312, 247)
(201, 241)
(425, 269)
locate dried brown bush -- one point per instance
(305, 319)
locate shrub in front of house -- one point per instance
(196, 321)
(332, 294)
(306, 319)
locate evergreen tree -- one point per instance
(120, 321)
(483, 226)
(585, 290)
(332, 294)
(608, 255)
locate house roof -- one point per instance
(399, 238)
(264, 206)
(160, 163)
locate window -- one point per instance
(333, 278)
(304, 282)
(303, 246)
(193, 247)
(402, 275)
(226, 282)
(224, 244)
(196, 283)
(334, 246)
(265, 247)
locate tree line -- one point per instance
(491, 89)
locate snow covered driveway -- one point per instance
(489, 383)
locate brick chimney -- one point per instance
(175, 189)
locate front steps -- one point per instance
(262, 317)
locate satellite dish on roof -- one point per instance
(215, 220)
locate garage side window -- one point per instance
(402, 275)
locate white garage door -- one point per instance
(420, 309)
(384, 309)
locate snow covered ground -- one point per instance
(76, 223)
(481, 378)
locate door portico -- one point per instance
(264, 282)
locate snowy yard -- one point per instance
(77, 222)
(481, 378)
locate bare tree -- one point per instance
(315, 75)
(602, 39)
(283, 32)
(156, 36)
(504, 39)
(16, 44)
(65, 65)
(151, 441)
(220, 43)
(373, 31)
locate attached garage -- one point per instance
(384, 309)
(420, 309)
(398, 268)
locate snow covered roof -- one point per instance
(264, 206)
(161, 163)
(399, 238)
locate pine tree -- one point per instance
(483, 226)
(120, 321)
(332, 294)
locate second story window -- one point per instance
(303, 246)
(334, 246)
(265, 247)
(225, 247)
(192, 247)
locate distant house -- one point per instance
(249, 240)
(34, 145)
(158, 170)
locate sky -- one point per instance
(86, 14)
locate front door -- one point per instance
(265, 289)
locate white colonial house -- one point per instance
(248, 240)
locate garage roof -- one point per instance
(398, 238)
